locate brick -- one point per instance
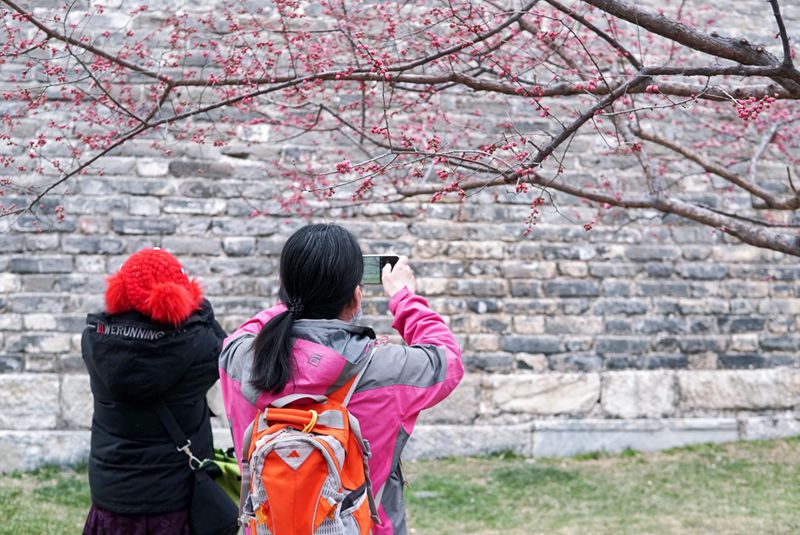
(526, 288)
(740, 324)
(239, 246)
(188, 168)
(478, 288)
(702, 271)
(479, 250)
(41, 264)
(92, 245)
(562, 288)
(489, 361)
(621, 344)
(255, 226)
(575, 362)
(532, 344)
(173, 205)
(144, 206)
(652, 252)
(191, 246)
(529, 324)
(146, 167)
(143, 226)
(609, 306)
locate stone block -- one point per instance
(571, 288)
(186, 168)
(476, 250)
(484, 342)
(437, 441)
(239, 246)
(489, 362)
(551, 393)
(200, 245)
(528, 324)
(739, 389)
(77, 405)
(151, 168)
(638, 394)
(772, 427)
(188, 206)
(575, 362)
(144, 206)
(26, 450)
(92, 245)
(612, 306)
(640, 253)
(561, 438)
(526, 288)
(703, 271)
(10, 283)
(217, 405)
(621, 344)
(478, 287)
(40, 264)
(28, 401)
(143, 226)
(460, 407)
(532, 344)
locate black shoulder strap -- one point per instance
(172, 426)
(178, 436)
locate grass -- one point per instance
(50, 500)
(739, 488)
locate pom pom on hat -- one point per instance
(155, 284)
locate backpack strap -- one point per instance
(346, 391)
(344, 394)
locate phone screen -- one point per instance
(373, 266)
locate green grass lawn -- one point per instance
(741, 488)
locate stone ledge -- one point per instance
(437, 441)
(561, 438)
(26, 450)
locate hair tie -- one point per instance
(295, 307)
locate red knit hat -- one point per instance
(154, 283)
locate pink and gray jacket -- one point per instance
(398, 383)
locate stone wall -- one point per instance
(636, 334)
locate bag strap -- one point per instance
(176, 433)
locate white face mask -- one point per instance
(357, 317)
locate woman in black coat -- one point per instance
(157, 340)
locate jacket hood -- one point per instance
(138, 359)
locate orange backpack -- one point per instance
(304, 469)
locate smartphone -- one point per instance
(373, 267)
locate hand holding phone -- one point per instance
(398, 276)
(373, 267)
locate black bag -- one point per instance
(212, 512)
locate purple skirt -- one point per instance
(103, 522)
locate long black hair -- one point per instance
(321, 266)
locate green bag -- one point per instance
(226, 473)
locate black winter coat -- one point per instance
(134, 467)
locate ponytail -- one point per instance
(272, 354)
(320, 268)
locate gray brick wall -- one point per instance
(635, 334)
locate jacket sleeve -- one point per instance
(425, 371)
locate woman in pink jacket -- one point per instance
(311, 343)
